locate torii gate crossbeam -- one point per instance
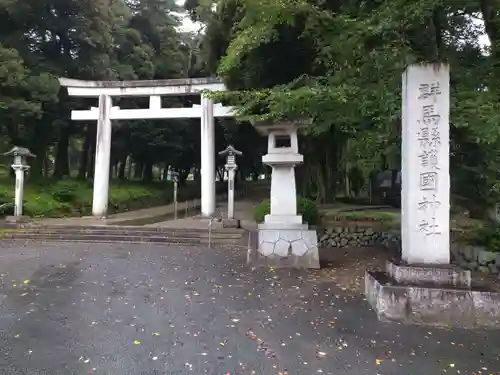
(153, 89)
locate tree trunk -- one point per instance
(91, 157)
(491, 17)
(347, 167)
(491, 24)
(147, 175)
(46, 166)
(220, 173)
(196, 175)
(84, 157)
(129, 168)
(121, 169)
(138, 168)
(37, 164)
(183, 175)
(61, 165)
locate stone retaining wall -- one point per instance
(475, 258)
(344, 235)
(351, 235)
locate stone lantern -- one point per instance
(175, 177)
(284, 240)
(230, 153)
(19, 165)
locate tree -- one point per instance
(348, 61)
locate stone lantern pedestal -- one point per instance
(284, 240)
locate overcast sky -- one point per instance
(188, 25)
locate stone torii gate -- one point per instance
(154, 89)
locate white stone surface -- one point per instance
(283, 160)
(102, 159)
(231, 167)
(91, 89)
(207, 157)
(283, 222)
(151, 113)
(289, 130)
(287, 242)
(230, 192)
(19, 189)
(425, 196)
(176, 187)
(283, 191)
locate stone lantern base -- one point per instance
(284, 248)
(231, 223)
(18, 219)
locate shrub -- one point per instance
(308, 209)
(261, 210)
(487, 236)
(50, 198)
(64, 191)
(305, 207)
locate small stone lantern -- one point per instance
(174, 175)
(19, 165)
(230, 153)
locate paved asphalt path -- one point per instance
(128, 309)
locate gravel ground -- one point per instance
(147, 309)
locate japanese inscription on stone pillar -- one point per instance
(425, 164)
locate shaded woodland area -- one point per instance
(339, 63)
(99, 40)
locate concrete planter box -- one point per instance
(436, 306)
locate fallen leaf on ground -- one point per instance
(320, 354)
(251, 335)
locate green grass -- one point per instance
(376, 216)
(50, 198)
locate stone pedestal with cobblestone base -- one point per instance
(283, 239)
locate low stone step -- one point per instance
(89, 237)
(127, 232)
(131, 228)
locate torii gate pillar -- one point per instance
(100, 197)
(207, 157)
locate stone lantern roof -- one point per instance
(287, 124)
(20, 151)
(230, 150)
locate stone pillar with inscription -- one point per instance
(425, 194)
(423, 287)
